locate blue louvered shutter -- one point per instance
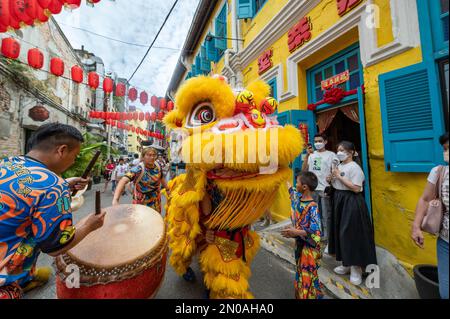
(246, 9)
(211, 51)
(221, 30)
(205, 63)
(273, 88)
(412, 119)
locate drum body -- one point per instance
(125, 259)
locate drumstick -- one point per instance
(98, 205)
(88, 169)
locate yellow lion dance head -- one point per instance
(236, 140)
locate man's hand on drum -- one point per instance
(77, 183)
(94, 222)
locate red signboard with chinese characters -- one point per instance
(299, 34)
(265, 61)
(345, 6)
(335, 80)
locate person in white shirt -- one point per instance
(120, 171)
(136, 161)
(439, 174)
(321, 162)
(351, 236)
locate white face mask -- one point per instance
(342, 156)
(446, 156)
(319, 146)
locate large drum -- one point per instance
(126, 258)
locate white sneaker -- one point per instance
(326, 250)
(342, 270)
(356, 275)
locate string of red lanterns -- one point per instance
(16, 14)
(127, 116)
(10, 48)
(133, 129)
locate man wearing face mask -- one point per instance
(320, 162)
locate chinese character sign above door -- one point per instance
(265, 62)
(300, 34)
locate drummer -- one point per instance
(35, 213)
(147, 178)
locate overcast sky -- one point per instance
(136, 21)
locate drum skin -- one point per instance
(125, 259)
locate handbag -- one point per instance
(433, 219)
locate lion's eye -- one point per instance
(202, 114)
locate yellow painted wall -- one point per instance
(252, 27)
(394, 196)
(384, 34)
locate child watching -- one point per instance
(306, 230)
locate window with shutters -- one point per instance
(221, 31)
(411, 119)
(273, 88)
(247, 9)
(259, 4)
(347, 60)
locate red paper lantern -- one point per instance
(141, 116)
(160, 115)
(135, 116)
(132, 94)
(102, 115)
(148, 117)
(121, 89)
(44, 4)
(18, 11)
(72, 4)
(77, 74)
(41, 14)
(55, 7)
(144, 97)
(162, 104)
(123, 116)
(154, 101)
(133, 129)
(4, 15)
(170, 106)
(31, 10)
(10, 48)
(57, 66)
(153, 116)
(35, 58)
(93, 80)
(130, 116)
(108, 85)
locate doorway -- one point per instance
(341, 124)
(346, 123)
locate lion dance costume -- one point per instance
(240, 187)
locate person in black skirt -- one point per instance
(351, 237)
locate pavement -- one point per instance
(389, 280)
(272, 276)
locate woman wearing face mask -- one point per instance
(351, 236)
(438, 174)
